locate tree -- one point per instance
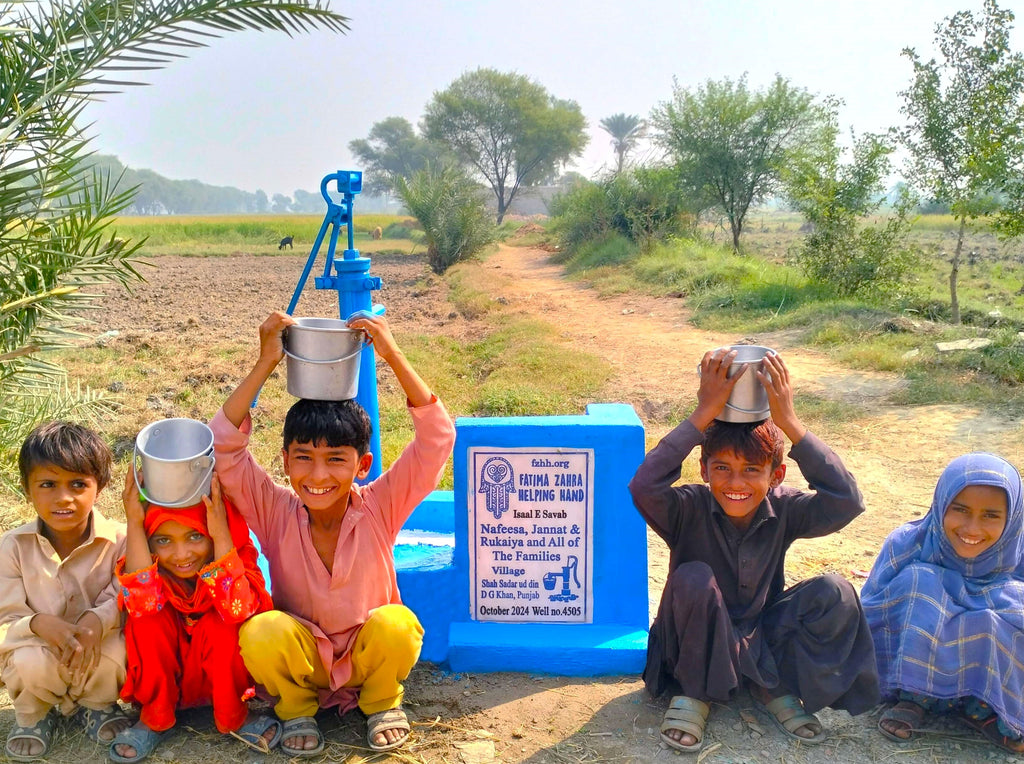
(626, 131)
(281, 204)
(844, 249)
(447, 204)
(507, 128)
(730, 144)
(56, 239)
(391, 150)
(965, 113)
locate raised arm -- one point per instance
(377, 329)
(271, 352)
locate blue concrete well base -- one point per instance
(563, 649)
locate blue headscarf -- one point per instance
(945, 626)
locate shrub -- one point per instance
(397, 231)
(641, 205)
(447, 203)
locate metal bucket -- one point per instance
(176, 461)
(748, 401)
(323, 359)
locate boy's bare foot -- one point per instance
(31, 742)
(684, 723)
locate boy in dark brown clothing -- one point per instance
(725, 615)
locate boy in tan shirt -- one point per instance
(61, 645)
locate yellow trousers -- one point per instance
(281, 654)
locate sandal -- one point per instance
(252, 733)
(789, 715)
(905, 713)
(301, 726)
(140, 737)
(391, 719)
(689, 716)
(95, 720)
(990, 730)
(41, 731)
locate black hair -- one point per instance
(758, 442)
(332, 423)
(69, 446)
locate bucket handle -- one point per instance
(197, 464)
(353, 354)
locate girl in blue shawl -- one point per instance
(945, 603)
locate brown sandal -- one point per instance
(686, 715)
(990, 729)
(908, 715)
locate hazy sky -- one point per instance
(264, 111)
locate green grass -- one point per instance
(759, 291)
(219, 235)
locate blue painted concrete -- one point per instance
(615, 641)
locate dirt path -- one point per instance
(895, 452)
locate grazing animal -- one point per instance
(377, 233)
(286, 242)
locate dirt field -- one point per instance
(896, 454)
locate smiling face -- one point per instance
(63, 500)
(975, 519)
(738, 484)
(322, 476)
(180, 550)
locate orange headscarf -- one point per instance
(195, 517)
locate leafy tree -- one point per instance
(506, 127)
(730, 144)
(626, 131)
(391, 150)
(447, 203)
(56, 239)
(307, 202)
(965, 114)
(844, 249)
(281, 204)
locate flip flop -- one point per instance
(95, 720)
(391, 719)
(789, 715)
(140, 737)
(41, 731)
(989, 728)
(252, 733)
(301, 726)
(689, 716)
(906, 713)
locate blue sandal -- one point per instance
(252, 733)
(41, 731)
(141, 738)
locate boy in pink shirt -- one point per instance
(340, 635)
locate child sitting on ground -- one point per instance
(189, 577)
(341, 636)
(725, 615)
(945, 603)
(60, 631)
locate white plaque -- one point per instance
(531, 513)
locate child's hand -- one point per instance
(271, 344)
(81, 660)
(378, 333)
(217, 519)
(61, 636)
(774, 377)
(134, 512)
(715, 386)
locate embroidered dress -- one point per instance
(948, 627)
(183, 641)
